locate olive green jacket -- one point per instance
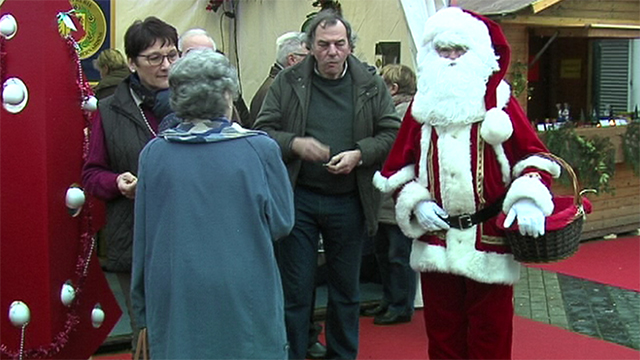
(375, 125)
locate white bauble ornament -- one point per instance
(90, 103)
(75, 198)
(19, 313)
(97, 316)
(67, 293)
(12, 93)
(8, 26)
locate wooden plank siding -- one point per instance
(613, 213)
(595, 9)
(518, 38)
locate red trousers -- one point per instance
(466, 319)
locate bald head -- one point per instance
(195, 39)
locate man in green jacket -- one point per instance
(335, 122)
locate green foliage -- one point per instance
(593, 159)
(631, 146)
(519, 79)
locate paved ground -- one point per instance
(606, 312)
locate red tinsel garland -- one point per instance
(87, 241)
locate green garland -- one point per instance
(592, 159)
(631, 146)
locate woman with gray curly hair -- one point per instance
(211, 199)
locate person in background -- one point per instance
(194, 39)
(290, 50)
(335, 122)
(203, 288)
(392, 247)
(466, 151)
(121, 127)
(113, 69)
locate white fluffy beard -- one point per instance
(450, 91)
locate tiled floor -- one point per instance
(579, 305)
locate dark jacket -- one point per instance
(108, 84)
(125, 135)
(284, 116)
(258, 98)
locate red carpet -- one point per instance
(614, 262)
(532, 341)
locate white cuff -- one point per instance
(526, 187)
(410, 195)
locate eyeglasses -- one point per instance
(299, 54)
(156, 59)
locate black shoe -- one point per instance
(378, 310)
(317, 351)
(391, 318)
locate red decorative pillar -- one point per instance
(42, 245)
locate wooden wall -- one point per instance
(617, 212)
(518, 38)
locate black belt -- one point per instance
(466, 221)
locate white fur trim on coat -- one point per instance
(538, 162)
(504, 163)
(410, 195)
(526, 187)
(401, 177)
(461, 257)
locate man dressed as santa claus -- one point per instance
(465, 151)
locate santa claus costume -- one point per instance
(466, 145)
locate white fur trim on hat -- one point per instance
(452, 26)
(410, 195)
(402, 176)
(496, 127)
(538, 162)
(526, 187)
(503, 94)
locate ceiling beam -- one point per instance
(540, 5)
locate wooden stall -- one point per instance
(553, 61)
(616, 212)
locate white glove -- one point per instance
(430, 215)
(530, 217)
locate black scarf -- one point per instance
(156, 101)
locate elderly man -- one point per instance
(195, 39)
(335, 123)
(199, 39)
(290, 50)
(464, 152)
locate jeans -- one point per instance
(340, 220)
(398, 279)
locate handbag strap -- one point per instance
(142, 346)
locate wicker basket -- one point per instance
(562, 228)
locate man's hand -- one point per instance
(430, 215)
(344, 162)
(530, 217)
(310, 149)
(127, 184)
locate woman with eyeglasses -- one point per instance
(121, 127)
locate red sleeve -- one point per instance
(97, 178)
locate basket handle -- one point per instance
(577, 199)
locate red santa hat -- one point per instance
(453, 26)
